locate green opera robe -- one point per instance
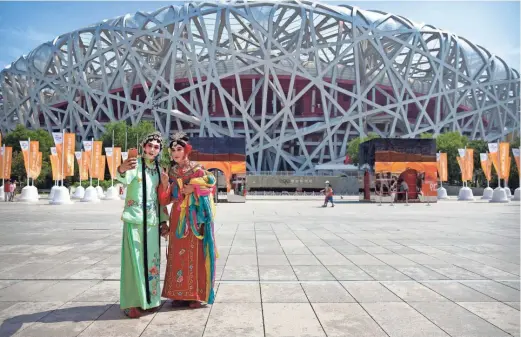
(140, 285)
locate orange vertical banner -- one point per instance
(461, 163)
(24, 145)
(55, 167)
(504, 154)
(6, 154)
(87, 145)
(84, 166)
(69, 144)
(515, 152)
(102, 166)
(441, 161)
(113, 160)
(34, 150)
(38, 166)
(96, 152)
(469, 164)
(486, 165)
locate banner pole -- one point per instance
(63, 156)
(91, 159)
(113, 160)
(3, 166)
(29, 160)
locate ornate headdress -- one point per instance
(178, 138)
(154, 136)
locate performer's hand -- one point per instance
(128, 164)
(164, 229)
(164, 179)
(188, 189)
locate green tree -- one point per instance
(450, 142)
(479, 146)
(45, 140)
(354, 144)
(426, 135)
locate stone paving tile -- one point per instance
(283, 293)
(235, 319)
(326, 292)
(456, 320)
(277, 273)
(400, 320)
(114, 323)
(346, 320)
(23, 290)
(514, 305)
(495, 290)
(291, 319)
(365, 260)
(454, 272)
(413, 292)
(457, 292)
(246, 272)
(273, 260)
(349, 273)
(385, 273)
(419, 273)
(22, 315)
(369, 292)
(239, 293)
(499, 314)
(312, 273)
(303, 260)
(512, 284)
(63, 291)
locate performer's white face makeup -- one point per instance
(177, 153)
(151, 150)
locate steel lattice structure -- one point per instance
(298, 79)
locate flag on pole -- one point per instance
(113, 160)
(55, 164)
(515, 152)
(486, 165)
(69, 144)
(441, 160)
(6, 159)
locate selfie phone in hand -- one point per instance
(132, 153)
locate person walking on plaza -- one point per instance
(12, 190)
(143, 220)
(328, 191)
(191, 254)
(7, 190)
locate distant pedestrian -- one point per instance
(12, 190)
(7, 190)
(328, 192)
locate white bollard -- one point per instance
(508, 192)
(29, 194)
(499, 196)
(2, 193)
(465, 194)
(61, 197)
(442, 193)
(517, 195)
(91, 195)
(79, 193)
(487, 193)
(112, 193)
(406, 198)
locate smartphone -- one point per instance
(132, 153)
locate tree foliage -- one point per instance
(354, 144)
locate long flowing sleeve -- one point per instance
(127, 177)
(164, 194)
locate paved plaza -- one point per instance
(286, 268)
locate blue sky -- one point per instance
(494, 25)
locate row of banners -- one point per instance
(91, 162)
(498, 156)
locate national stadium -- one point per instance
(296, 79)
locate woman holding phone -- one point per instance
(143, 222)
(190, 267)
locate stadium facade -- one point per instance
(297, 79)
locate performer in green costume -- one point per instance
(143, 222)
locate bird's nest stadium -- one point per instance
(297, 79)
